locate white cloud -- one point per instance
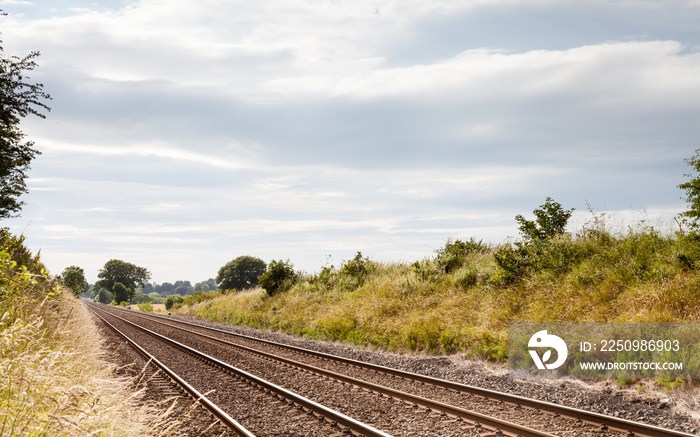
(185, 133)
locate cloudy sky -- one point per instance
(186, 133)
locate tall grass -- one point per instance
(53, 379)
(462, 299)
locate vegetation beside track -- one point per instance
(54, 380)
(462, 299)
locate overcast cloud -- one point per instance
(186, 133)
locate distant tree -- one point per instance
(205, 288)
(121, 292)
(184, 290)
(19, 99)
(103, 295)
(73, 277)
(165, 288)
(691, 217)
(240, 273)
(211, 283)
(129, 275)
(551, 220)
(140, 297)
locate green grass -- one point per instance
(461, 300)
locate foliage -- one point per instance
(54, 381)
(104, 296)
(20, 271)
(357, 267)
(146, 307)
(173, 300)
(455, 253)
(241, 273)
(595, 274)
(166, 288)
(73, 277)
(129, 275)
(550, 224)
(210, 285)
(691, 217)
(551, 220)
(279, 277)
(121, 293)
(20, 98)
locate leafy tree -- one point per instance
(165, 288)
(211, 283)
(240, 273)
(73, 277)
(19, 98)
(279, 277)
(140, 297)
(691, 217)
(551, 220)
(104, 296)
(129, 275)
(121, 292)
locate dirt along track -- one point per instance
(373, 406)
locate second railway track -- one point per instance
(444, 402)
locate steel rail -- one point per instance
(611, 422)
(488, 421)
(221, 415)
(328, 413)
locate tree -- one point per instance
(73, 277)
(240, 273)
(19, 98)
(121, 293)
(129, 275)
(104, 295)
(691, 217)
(551, 220)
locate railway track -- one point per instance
(366, 376)
(231, 386)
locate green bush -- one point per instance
(173, 300)
(455, 254)
(146, 307)
(280, 276)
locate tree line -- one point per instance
(121, 281)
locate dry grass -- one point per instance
(53, 376)
(55, 381)
(463, 300)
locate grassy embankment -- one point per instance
(54, 381)
(462, 299)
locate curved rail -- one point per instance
(330, 414)
(498, 425)
(221, 415)
(611, 422)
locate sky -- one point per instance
(183, 134)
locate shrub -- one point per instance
(551, 221)
(357, 267)
(454, 254)
(173, 300)
(146, 307)
(279, 277)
